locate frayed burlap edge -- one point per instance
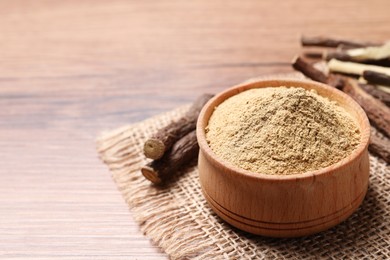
(178, 219)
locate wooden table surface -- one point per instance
(71, 69)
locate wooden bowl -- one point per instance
(285, 205)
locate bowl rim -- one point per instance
(231, 169)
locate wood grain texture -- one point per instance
(71, 69)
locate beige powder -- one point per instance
(281, 131)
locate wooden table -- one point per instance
(70, 69)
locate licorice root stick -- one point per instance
(380, 147)
(376, 92)
(376, 78)
(163, 140)
(311, 72)
(182, 152)
(377, 111)
(333, 43)
(308, 70)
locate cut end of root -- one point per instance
(150, 174)
(154, 149)
(294, 60)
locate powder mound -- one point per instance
(281, 131)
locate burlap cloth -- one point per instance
(178, 219)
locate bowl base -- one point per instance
(296, 229)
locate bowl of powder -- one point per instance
(283, 158)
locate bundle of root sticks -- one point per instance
(360, 69)
(174, 145)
